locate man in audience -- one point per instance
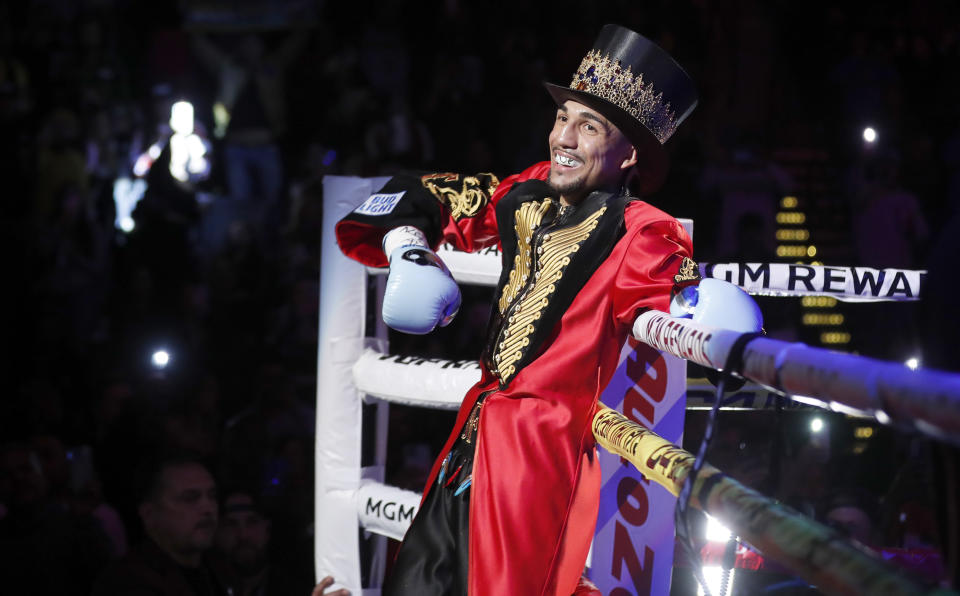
(178, 508)
(243, 538)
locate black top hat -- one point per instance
(638, 87)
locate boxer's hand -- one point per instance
(320, 589)
(718, 303)
(421, 293)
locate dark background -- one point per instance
(229, 284)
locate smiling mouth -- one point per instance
(566, 161)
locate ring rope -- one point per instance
(846, 283)
(926, 401)
(817, 553)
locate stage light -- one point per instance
(869, 134)
(812, 319)
(818, 301)
(835, 337)
(791, 251)
(713, 575)
(714, 578)
(811, 251)
(181, 117)
(793, 235)
(160, 359)
(816, 425)
(788, 202)
(716, 532)
(188, 151)
(913, 363)
(790, 217)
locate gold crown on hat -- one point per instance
(610, 80)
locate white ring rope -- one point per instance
(412, 381)
(440, 384)
(925, 399)
(850, 284)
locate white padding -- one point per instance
(472, 268)
(414, 381)
(340, 341)
(386, 510)
(476, 268)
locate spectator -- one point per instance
(178, 508)
(250, 113)
(45, 547)
(853, 512)
(888, 223)
(244, 539)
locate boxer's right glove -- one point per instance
(421, 293)
(718, 303)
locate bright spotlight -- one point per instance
(869, 134)
(816, 425)
(913, 363)
(716, 532)
(713, 575)
(160, 359)
(127, 224)
(181, 117)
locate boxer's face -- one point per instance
(587, 153)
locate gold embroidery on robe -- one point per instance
(527, 220)
(465, 199)
(550, 262)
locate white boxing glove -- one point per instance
(421, 293)
(718, 303)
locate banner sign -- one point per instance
(634, 540)
(851, 284)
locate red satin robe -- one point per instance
(536, 480)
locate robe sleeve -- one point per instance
(657, 264)
(447, 207)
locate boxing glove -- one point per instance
(421, 293)
(718, 303)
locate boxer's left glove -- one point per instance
(421, 293)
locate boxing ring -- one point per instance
(355, 509)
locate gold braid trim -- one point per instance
(528, 218)
(466, 200)
(553, 256)
(688, 271)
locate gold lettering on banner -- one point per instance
(688, 271)
(548, 269)
(467, 200)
